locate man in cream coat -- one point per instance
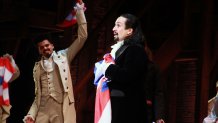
(54, 99)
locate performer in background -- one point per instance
(54, 99)
(9, 71)
(154, 89)
(212, 116)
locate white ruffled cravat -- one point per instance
(115, 47)
(47, 64)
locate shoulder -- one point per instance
(61, 53)
(136, 50)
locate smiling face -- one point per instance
(45, 48)
(120, 32)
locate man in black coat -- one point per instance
(127, 74)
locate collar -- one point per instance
(118, 44)
(115, 47)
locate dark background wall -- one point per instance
(182, 35)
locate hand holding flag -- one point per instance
(79, 6)
(108, 58)
(70, 20)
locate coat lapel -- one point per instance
(120, 51)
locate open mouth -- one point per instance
(46, 51)
(115, 35)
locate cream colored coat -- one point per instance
(62, 59)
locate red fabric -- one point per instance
(6, 72)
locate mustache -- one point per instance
(46, 51)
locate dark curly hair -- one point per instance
(39, 38)
(137, 37)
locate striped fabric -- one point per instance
(6, 72)
(102, 99)
(70, 20)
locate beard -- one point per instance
(116, 38)
(47, 53)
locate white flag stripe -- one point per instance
(5, 93)
(105, 118)
(7, 75)
(2, 71)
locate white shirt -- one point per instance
(115, 47)
(48, 64)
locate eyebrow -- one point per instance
(118, 22)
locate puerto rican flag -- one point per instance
(70, 20)
(102, 99)
(6, 72)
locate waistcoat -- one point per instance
(51, 85)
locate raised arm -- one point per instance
(82, 32)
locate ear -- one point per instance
(130, 31)
(52, 45)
